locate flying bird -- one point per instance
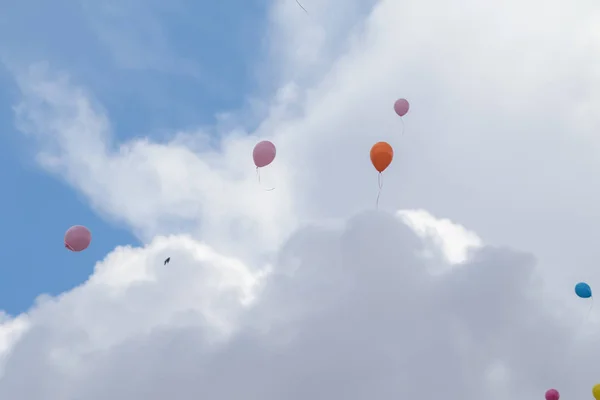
(167, 260)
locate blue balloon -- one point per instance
(583, 290)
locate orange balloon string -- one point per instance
(380, 184)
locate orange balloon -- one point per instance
(381, 155)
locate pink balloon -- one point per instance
(78, 238)
(264, 153)
(401, 107)
(552, 394)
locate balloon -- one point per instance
(401, 107)
(78, 238)
(381, 155)
(552, 394)
(596, 391)
(583, 290)
(264, 153)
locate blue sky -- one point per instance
(154, 67)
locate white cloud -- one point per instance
(277, 295)
(166, 186)
(454, 240)
(358, 315)
(11, 330)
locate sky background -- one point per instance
(138, 120)
(153, 74)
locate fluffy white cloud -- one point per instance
(351, 311)
(454, 241)
(277, 295)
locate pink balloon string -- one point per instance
(402, 121)
(258, 177)
(380, 184)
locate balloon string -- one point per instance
(402, 121)
(590, 310)
(301, 6)
(587, 316)
(380, 184)
(258, 177)
(569, 364)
